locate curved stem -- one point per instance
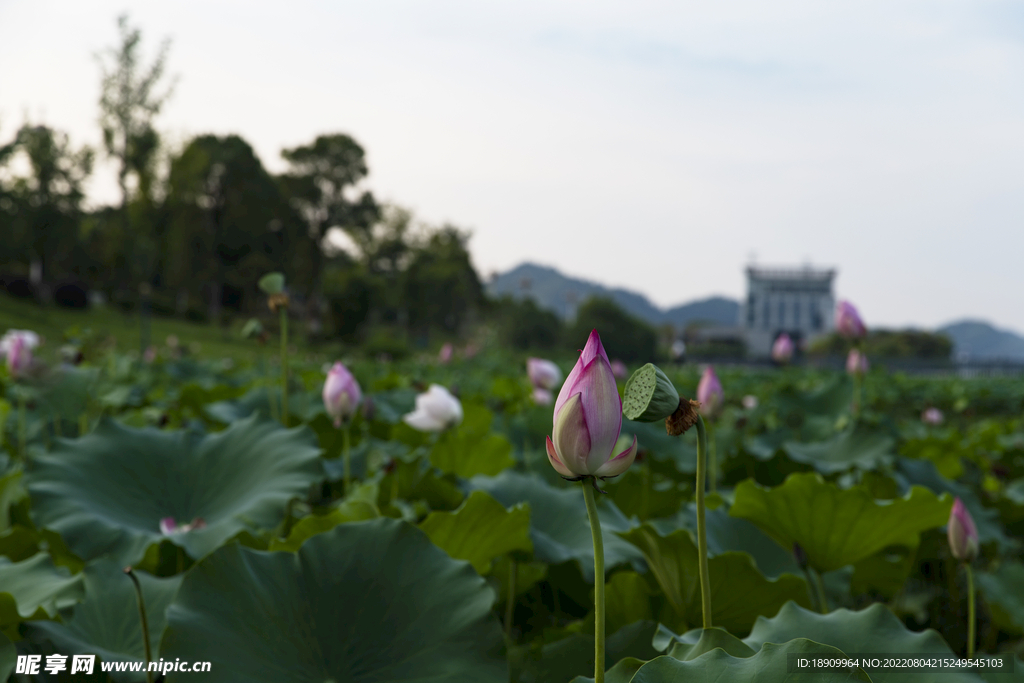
(702, 531)
(970, 610)
(347, 456)
(595, 530)
(142, 620)
(284, 365)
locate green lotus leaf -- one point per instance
(107, 492)
(771, 663)
(558, 521)
(837, 527)
(574, 656)
(472, 448)
(271, 283)
(635, 494)
(369, 601)
(1003, 593)
(622, 672)
(480, 530)
(8, 657)
(924, 473)
(311, 525)
(699, 641)
(874, 630)
(35, 589)
(11, 491)
(739, 593)
(852, 448)
(106, 623)
(727, 533)
(627, 599)
(831, 400)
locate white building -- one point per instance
(796, 301)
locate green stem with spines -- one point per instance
(599, 607)
(346, 455)
(702, 531)
(284, 365)
(142, 620)
(970, 610)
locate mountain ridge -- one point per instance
(972, 339)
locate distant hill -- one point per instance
(977, 340)
(561, 294)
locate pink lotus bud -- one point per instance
(167, 526)
(782, 349)
(848, 321)
(542, 397)
(963, 535)
(709, 393)
(588, 419)
(543, 374)
(619, 369)
(341, 394)
(857, 363)
(16, 346)
(932, 416)
(446, 353)
(436, 410)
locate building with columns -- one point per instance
(797, 301)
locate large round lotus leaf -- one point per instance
(837, 527)
(1003, 590)
(770, 664)
(107, 492)
(574, 656)
(35, 589)
(871, 631)
(480, 530)
(107, 622)
(370, 601)
(739, 593)
(558, 521)
(852, 448)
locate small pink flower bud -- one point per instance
(709, 393)
(963, 535)
(341, 394)
(543, 374)
(782, 349)
(848, 321)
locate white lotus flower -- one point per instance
(436, 410)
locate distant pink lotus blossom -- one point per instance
(16, 346)
(962, 533)
(857, 363)
(782, 349)
(341, 394)
(709, 393)
(447, 351)
(848, 321)
(542, 397)
(932, 416)
(619, 369)
(543, 374)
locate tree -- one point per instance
(129, 102)
(625, 337)
(45, 206)
(321, 187)
(441, 288)
(224, 213)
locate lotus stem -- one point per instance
(284, 365)
(822, 599)
(22, 429)
(510, 605)
(702, 531)
(595, 530)
(970, 610)
(142, 620)
(347, 457)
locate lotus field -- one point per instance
(436, 519)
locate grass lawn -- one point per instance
(51, 322)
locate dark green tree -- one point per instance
(322, 188)
(624, 337)
(441, 289)
(225, 213)
(131, 96)
(44, 207)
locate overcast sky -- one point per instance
(659, 146)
